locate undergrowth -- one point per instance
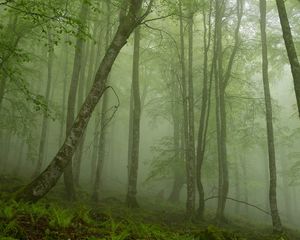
(53, 221)
(52, 218)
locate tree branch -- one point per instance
(239, 201)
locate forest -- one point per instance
(150, 119)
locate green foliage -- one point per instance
(12, 229)
(53, 221)
(60, 218)
(7, 212)
(83, 213)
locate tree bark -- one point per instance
(290, 48)
(48, 178)
(277, 227)
(136, 115)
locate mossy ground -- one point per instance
(52, 218)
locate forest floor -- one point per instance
(52, 218)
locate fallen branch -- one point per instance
(239, 201)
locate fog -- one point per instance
(177, 106)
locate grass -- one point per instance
(53, 218)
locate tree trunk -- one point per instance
(104, 119)
(68, 174)
(101, 148)
(91, 73)
(190, 202)
(47, 179)
(220, 114)
(130, 132)
(237, 185)
(136, 115)
(43, 137)
(271, 148)
(179, 177)
(290, 48)
(245, 181)
(191, 142)
(179, 181)
(204, 115)
(222, 81)
(63, 118)
(80, 98)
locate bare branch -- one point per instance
(239, 201)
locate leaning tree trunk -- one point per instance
(277, 227)
(43, 137)
(48, 178)
(290, 48)
(136, 116)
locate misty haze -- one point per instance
(150, 119)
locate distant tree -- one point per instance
(135, 127)
(43, 137)
(205, 107)
(271, 148)
(77, 65)
(189, 148)
(102, 141)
